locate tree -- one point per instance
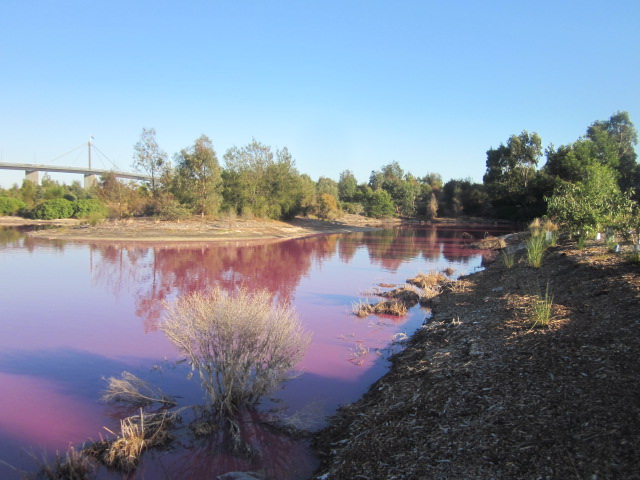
(259, 183)
(148, 158)
(328, 186)
(618, 135)
(510, 169)
(347, 186)
(327, 206)
(379, 204)
(198, 181)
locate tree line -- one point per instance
(597, 175)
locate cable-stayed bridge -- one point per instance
(32, 171)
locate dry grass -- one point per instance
(137, 434)
(72, 465)
(408, 294)
(132, 390)
(428, 280)
(359, 353)
(242, 345)
(388, 307)
(448, 271)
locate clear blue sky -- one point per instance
(343, 84)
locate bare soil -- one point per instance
(479, 393)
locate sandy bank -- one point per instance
(197, 230)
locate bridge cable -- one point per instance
(116, 167)
(70, 151)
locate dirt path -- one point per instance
(479, 393)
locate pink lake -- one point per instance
(75, 313)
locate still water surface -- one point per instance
(75, 313)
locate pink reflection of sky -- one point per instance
(38, 414)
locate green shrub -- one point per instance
(352, 207)
(89, 207)
(10, 205)
(379, 204)
(54, 209)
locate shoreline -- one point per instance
(480, 393)
(227, 230)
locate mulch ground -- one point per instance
(478, 393)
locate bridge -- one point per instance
(90, 174)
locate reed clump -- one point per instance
(72, 465)
(242, 344)
(137, 434)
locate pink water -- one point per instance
(72, 314)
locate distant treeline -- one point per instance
(596, 173)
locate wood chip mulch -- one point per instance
(478, 393)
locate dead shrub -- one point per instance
(242, 345)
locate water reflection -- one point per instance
(75, 312)
(163, 271)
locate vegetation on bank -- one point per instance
(590, 184)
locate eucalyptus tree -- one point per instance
(617, 137)
(347, 186)
(261, 183)
(198, 180)
(148, 158)
(511, 173)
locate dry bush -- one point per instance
(427, 280)
(242, 345)
(132, 390)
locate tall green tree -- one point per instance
(510, 171)
(618, 136)
(328, 186)
(347, 186)
(257, 182)
(198, 180)
(148, 158)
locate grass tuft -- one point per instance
(541, 309)
(508, 257)
(536, 246)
